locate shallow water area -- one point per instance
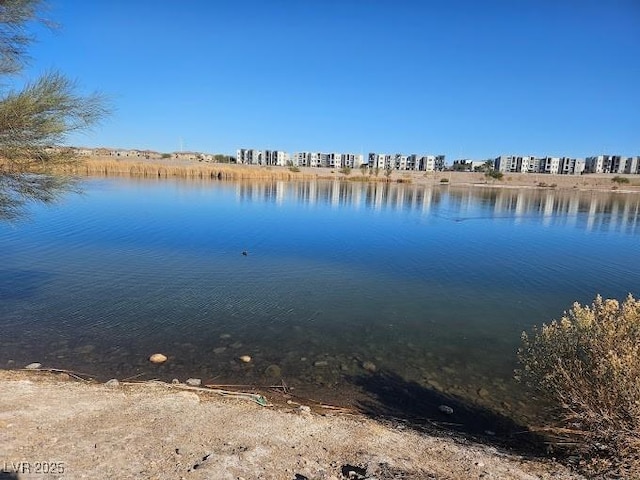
(343, 290)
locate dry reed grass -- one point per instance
(199, 171)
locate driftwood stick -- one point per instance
(75, 375)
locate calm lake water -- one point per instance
(432, 285)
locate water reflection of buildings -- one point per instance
(598, 211)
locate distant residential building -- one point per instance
(468, 165)
(632, 165)
(400, 162)
(275, 157)
(327, 160)
(606, 164)
(506, 164)
(547, 165)
(352, 160)
(550, 165)
(425, 163)
(431, 163)
(517, 164)
(529, 164)
(379, 161)
(571, 166)
(305, 159)
(262, 157)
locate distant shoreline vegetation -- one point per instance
(172, 168)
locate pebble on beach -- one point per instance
(157, 358)
(245, 358)
(194, 382)
(304, 410)
(33, 366)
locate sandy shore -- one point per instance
(86, 430)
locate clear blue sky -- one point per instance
(469, 79)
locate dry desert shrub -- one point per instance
(587, 365)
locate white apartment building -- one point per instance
(327, 160)
(506, 163)
(550, 165)
(425, 163)
(531, 164)
(606, 164)
(571, 166)
(262, 157)
(516, 164)
(632, 165)
(379, 161)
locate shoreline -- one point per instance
(154, 430)
(107, 166)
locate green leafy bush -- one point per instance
(587, 365)
(294, 169)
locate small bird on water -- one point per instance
(245, 253)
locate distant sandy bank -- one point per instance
(192, 169)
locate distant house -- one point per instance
(185, 155)
(466, 165)
(101, 152)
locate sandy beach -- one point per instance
(53, 426)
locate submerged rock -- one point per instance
(273, 371)
(244, 358)
(33, 366)
(446, 409)
(157, 358)
(369, 366)
(482, 392)
(85, 349)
